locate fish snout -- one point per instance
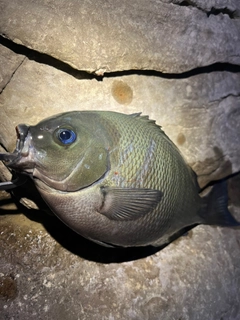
(22, 132)
(22, 147)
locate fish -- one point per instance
(115, 179)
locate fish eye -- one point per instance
(66, 136)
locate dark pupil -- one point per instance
(65, 135)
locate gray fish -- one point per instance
(115, 179)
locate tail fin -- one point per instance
(215, 207)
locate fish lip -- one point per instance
(21, 149)
(22, 132)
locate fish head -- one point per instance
(62, 151)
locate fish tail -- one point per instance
(215, 207)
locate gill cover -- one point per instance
(68, 154)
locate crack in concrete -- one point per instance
(225, 97)
(215, 11)
(218, 66)
(226, 178)
(233, 14)
(12, 75)
(46, 59)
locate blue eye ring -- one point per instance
(66, 136)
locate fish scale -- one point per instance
(155, 177)
(115, 179)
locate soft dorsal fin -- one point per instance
(128, 203)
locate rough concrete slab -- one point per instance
(48, 272)
(9, 63)
(200, 113)
(106, 36)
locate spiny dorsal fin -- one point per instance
(151, 122)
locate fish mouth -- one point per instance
(22, 147)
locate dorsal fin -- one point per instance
(145, 118)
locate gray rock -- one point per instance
(46, 270)
(194, 278)
(199, 113)
(9, 63)
(212, 7)
(106, 36)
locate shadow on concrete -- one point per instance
(66, 237)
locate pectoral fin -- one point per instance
(128, 203)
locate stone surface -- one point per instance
(9, 63)
(46, 270)
(106, 36)
(201, 114)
